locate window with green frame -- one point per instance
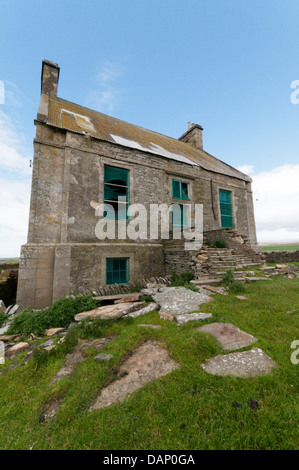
(117, 270)
(180, 216)
(180, 190)
(116, 192)
(226, 212)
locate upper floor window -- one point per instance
(225, 198)
(180, 190)
(116, 192)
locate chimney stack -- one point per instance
(49, 78)
(193, 136)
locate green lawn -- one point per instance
(188, 409)
(280, 247)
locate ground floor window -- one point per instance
(117, 270)
(226, 212)
(180, 216)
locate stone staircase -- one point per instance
(212, 263)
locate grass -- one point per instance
(188, 409)
(280, 248)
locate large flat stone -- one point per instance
(108, 312)
(185, 318)
(149, 362)
(228, 335)
(240, 364)
(178, 300)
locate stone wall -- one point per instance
(281, 256)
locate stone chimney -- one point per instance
(193, 136)
(49, 79)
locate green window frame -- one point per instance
(117, 270)
(180, 216)
(180, 190)
(116, 192)
(225, 198)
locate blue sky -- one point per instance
(225, 65)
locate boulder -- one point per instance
(179, 300)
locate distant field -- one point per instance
(279, 247)
(9, 260)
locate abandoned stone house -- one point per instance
(83, 158)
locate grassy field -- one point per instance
(188, 409)
(285, 247)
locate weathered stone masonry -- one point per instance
(73, 144)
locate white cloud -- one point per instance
(246, 169)
(13, 156)
(14, 196)
(15, 180)
(276, 196)
(104, 95)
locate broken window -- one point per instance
(116, 192)
(117, 270)
(226, 208)
(180, 190)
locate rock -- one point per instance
(241, 297)
(132, 298)
(281, 266)
(252, 279)
(47, 343)
(179, 300)
(216, 290)
(240, 364)
(143, 311)
(167, 317)
(17, 348)
(103, 357)
(8, 338)
(13, 310)
(71, 325)
(149, 325)
(54, 331)
(4, 329)
(228, 335)
(110, 311)
(149, 362)
(2, 307)
(182, 319)
(49, 348)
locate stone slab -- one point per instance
(54, 331)
(149, 325)
(244, 364)
(17, 348)
(103, 357)
(143, 311)
(185, 318)
(149, 362)
(108, 312)
(228, 335)
(178, 300)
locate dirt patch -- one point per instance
(149, 362)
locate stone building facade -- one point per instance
(80, 157)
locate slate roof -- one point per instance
(73, 117)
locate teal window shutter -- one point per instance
(117, 270)
(180, 190)
(116, 192)
(226, 209)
